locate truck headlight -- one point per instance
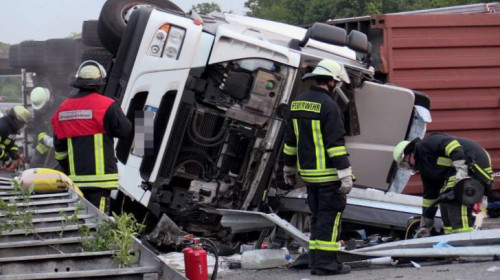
(156, 46)
(167, 42)
(174, 42)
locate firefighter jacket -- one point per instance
(314, 137)
(84, 127)
(434, 157)
(8, 148)
(41, 128)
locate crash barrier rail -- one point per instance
(42, 237)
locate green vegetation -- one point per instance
(308, 11)
(70, 219)
(206, 8)
(10, 89)
(15, 217)
(4, 46)
(117, 235)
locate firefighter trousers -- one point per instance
(326, 204)
(99, 197)
(456, 217)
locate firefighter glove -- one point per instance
(49, 141)
(462, 170)
(426, 225)
(45, 139)
(289, 174)
(345, 176)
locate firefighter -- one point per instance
(11, 124)
(84, 127)
(43, 109)
(314, 147)
(445, 164)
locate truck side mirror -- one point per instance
(358, 41)
(325, 33)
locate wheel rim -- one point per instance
(129, 9)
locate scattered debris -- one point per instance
(415, 264)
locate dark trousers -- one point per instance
(99, 197)
(456, 217)
(326, 204)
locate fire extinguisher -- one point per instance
(195, 262)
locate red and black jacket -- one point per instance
(84, 127)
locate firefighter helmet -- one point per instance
(90, 74)
(399, 151)
(39, 96)
(329, 68)
(20, 113)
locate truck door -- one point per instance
(384, 113)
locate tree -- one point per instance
(74, 35)
(4, 46)
(307, 11)
(206, 8)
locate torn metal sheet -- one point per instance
(244, 221)
(471, 238)
(469, 251)
(368, 207)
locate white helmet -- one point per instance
(329, 68)
(39, 96)
(90, 74)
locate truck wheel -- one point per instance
(31, 54)
(115, 14)
(62, 54)
(89, 34)
(14, 56)
(101, 55)
(412, 227)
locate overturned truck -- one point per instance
(208, 96)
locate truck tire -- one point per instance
(31, 54)
(89, 34)
(101, 55)
(14, 56)
(114, 15)
(62, 54)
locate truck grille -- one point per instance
(174, 144)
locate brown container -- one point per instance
(454, 59)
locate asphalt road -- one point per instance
(470, 269)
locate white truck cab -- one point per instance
(208, 96)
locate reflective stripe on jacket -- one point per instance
(84, 127)
(314, 137)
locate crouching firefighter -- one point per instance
(84, 126)
(315, 147)
(11, 124)
(455, 172)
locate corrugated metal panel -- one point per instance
(455, 59)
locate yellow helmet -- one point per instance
(399, 151)
(22, 114)
(39, 96)
(329, 68)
